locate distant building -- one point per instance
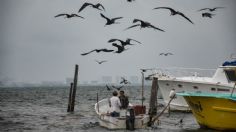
(106, 79)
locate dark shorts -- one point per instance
(115, 114)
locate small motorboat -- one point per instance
(125, 120)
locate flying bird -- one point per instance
(98, 50)
(143, 24)
(130, 0)
(120, 48)
(108, 88)
(207, 14)
(124, 81)
(100, 62)
(144, 70)
(210, 9)
(110, 20)
(69, 15)
(124, 43)
(166, 54)
(174, 12)
(96, 6)
(118, 88)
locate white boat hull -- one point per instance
(105, 120)
(181, 85)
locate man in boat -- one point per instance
(115, 105)
(123, 100)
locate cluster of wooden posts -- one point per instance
(72, 92)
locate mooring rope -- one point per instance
(162, 112)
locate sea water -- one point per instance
(44, 109)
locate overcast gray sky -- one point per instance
(36, 47)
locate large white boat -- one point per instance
(218, 83)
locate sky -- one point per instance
(36, 46)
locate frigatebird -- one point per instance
(118, 88)
(124, 43)
(166, 54)
(98, 50)
(69, 15)
(110, 20)
(100, 62)
(124, 81)
(207, 14)
(96, 6)
(120, 48)
(210, 9)
(174, 12)
(108, 88)
(143, 24)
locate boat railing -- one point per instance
(184, 72)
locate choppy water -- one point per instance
(45, 109)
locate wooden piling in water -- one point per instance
(70, 97)
(153, 100)
(73, 91)
(74, 88)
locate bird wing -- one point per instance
(137, 20)
(76, 15)
(181, 14)
(172, 10)
(100, 5)
(156, 28)
(204, 9)
(129, 39)
(169, 53)
(88, 52)
(218, 8)
(104, 17)
(112, 40)
(84, 5)
(132, 26)
(61, 15)
(106, 50)
(103, 61)
(116, 18)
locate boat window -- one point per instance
(223, 89)
(195, 87)
(180, 86)
(213, 89)
(231, 75)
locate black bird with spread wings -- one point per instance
(211, 9)
(97, 50)
(100, 62)
(174, 12)
(144, 24)
(69, 15)
(108, 88)
(118, 88)
(207, 14)
(166, 54)
(124, 43)
(124, 81)
(96, 6)
(120, 48)
(110, 20)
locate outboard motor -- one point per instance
(130, 119)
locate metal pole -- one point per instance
(142, 87)
(97, 103)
